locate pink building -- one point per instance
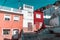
(11, 23)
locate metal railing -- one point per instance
(4, 8)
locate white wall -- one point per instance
(27, 18)
(30, 8)
(25, 22)
(28, 15)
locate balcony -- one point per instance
(9, 9)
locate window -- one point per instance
(27, 6)
(30, 13)
(16, 18)
(6, 31)
(38, 16)
(15, 33)
(7, 17)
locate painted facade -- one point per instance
(11, 24)
(38, 19)
(13, 20)
(32, 20)
(28, 19)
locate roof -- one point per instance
(9, 9)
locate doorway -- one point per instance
(29, 26)
(15, 34)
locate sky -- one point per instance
(16, 3)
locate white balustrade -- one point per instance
(9, 9)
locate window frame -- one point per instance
(30, 13)
(7, 15)
(7, 30)
(27, 6)
(39, 16)
(16, 16)
(15, 29)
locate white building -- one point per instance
(28, 21)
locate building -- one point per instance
(28, 19)
(32, 20)
(11, 23)
(38, 19)
(55, 18)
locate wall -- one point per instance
(9, 24)
(38, 21)
(54, 21)
(28, 16)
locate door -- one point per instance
(29, 26)
(15, 33)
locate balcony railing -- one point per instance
(9, 9)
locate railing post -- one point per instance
(11, 9)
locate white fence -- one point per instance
(9, 9)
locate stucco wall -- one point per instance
(11, 24)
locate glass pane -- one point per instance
(6, 31)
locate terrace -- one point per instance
(9, 9)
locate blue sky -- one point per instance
(36, 3)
